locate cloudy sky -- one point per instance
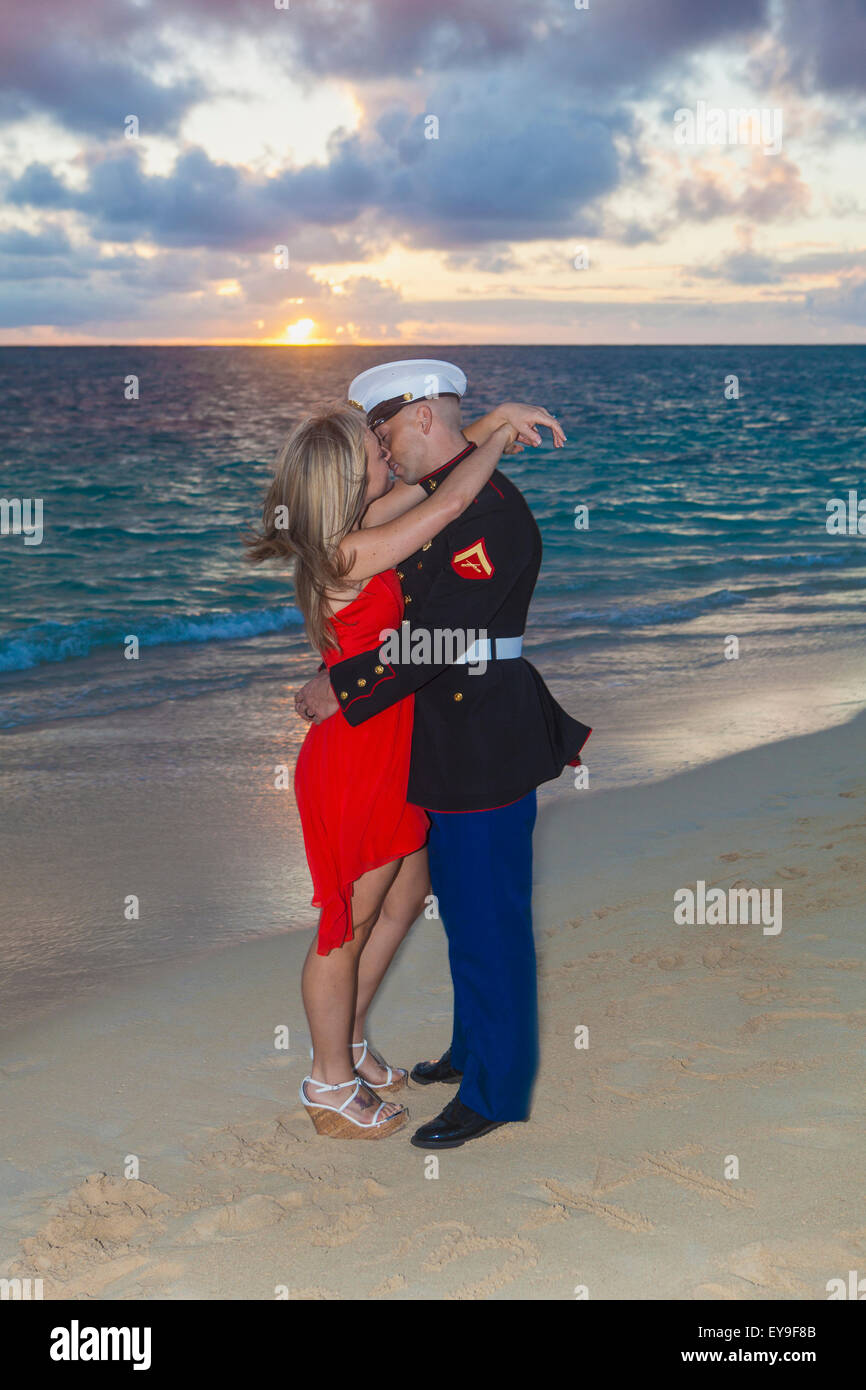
(463, 171)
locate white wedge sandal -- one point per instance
(397, 1077)
(333, 1120)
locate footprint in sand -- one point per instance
(254, 1213)
(674, 962)
(341, 1229)
(789, 872)
(713, 957)
(729, 858)
(275, 1146)
(97, 1232)
(395, 1283)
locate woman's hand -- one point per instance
(525, 420)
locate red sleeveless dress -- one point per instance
(350, 783)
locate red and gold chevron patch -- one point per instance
(473, 562)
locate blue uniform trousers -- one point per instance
(481, 873)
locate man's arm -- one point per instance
(366, 684)
(524, 420)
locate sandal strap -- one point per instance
(322, 1086)
(379, 1062)
(356, 1084)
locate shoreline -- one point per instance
(705, 1042)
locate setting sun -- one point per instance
(299, 332)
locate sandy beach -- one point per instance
(709, 1048)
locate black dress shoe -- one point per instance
(455, 1126)
(441, 1070)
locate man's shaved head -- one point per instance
(423, 435)
(446, 409)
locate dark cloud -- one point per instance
(39, 187)
(846, 303)
(825, 44)
(89, 66)
(175, 288)
(745, 268)
(492, 260)
(610, 45)
(90, 63)
(484, 179)
(53, 301)
(48, 241)
(748, 267)
(827, 262)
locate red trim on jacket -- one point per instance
(456, 459)
(577, 762)
(365, 694)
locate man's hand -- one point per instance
(525, 419)
(316, 701)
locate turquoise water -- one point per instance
(706, 515)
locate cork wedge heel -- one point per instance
(336, 1124)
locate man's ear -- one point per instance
(424, 417)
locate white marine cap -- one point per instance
(382, 391)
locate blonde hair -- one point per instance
(317, 497)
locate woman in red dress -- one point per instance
(333, 509)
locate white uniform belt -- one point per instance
(491, 649)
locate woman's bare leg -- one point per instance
(403, 902)
(330, 986)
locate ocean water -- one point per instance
(707, 516)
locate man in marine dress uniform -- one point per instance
(486, 733)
